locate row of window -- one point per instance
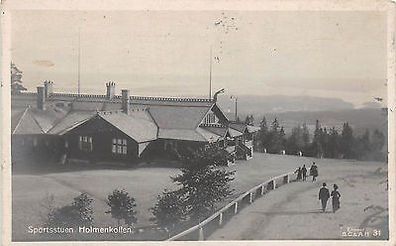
(210, 118)
(119, 145)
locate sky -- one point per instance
(337, 54)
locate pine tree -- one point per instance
(274, 141)
(263, 135)
(305, 138)
(333, 144)
(347, 141)
(377, 140)
(295, 142)
(324, 140)
(203, 183)
(361, 148)
(316, 146)
(282, 139)
(16, 80)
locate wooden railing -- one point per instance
(218, 219)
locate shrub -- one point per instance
(122, 207)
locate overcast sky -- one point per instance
(167, 53)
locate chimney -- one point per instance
(48, 88)
(125, 101)
(40, 98)
(110, 90)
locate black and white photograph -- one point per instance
(220, 123)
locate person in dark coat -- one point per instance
(335, 198)
(324, 195)
(315, 172)
(299, 173)
(304, 173)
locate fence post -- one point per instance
(287, 179)
(220, 218)
(273, 184)
(251, 197)
(262, 190)
(236, 208)
(201, 234)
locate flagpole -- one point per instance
(210, 74)
(79, 61)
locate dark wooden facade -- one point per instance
(94, 141)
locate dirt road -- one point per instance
(293, 211)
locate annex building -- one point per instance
(120, 128)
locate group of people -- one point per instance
(302, 172)
(324, 193)
(324, 196)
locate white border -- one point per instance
(247, 5)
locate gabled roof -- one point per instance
(149, 117)
(47, 118)
(16, 115)
(34, 121)
(178, 117)
(72, 120)
(198, 135)
(241, 127)
(26, 124)
(139, 129)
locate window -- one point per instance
(119, 146)
(85, 143)
(210, 118)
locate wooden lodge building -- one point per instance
(119, 128)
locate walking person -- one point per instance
(324, 195)
(304, 173)
(335, 198)
(315, 172)
(299, 173)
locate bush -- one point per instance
(122, 207)
(79, 213)
(169, 209)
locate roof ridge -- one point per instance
(174, 99)
(58, 121)
(20, 119)
(35, 120)
(216, 125)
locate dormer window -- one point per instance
(210, 118)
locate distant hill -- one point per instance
(359, 119)
(292, 111)
(277, 103)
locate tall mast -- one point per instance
(79, 61)
(210, 74)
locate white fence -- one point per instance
(218, 219)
